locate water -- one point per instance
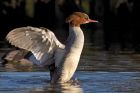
(84, 82)
(102, 72)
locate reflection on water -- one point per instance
(63, 88)
(34, 82)
(88, 82)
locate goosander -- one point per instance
(48, 50)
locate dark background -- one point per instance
(119, 19)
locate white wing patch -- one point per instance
(40, 41)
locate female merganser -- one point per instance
(47, 50)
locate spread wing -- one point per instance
(40, 41)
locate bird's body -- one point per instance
(47, 50)
(71, 55)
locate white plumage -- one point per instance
(47, 49)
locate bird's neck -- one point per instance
(76, 38)
(74, 46)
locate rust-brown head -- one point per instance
(78, 18)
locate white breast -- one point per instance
(74, 48)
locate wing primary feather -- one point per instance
(40, 41)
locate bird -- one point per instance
(47, 50)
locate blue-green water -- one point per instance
(85, 82)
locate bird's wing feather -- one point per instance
(40, 41)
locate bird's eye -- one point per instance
(86, 18)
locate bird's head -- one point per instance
(78, 18)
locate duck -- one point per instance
(47, 50)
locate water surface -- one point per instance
(84, 82)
